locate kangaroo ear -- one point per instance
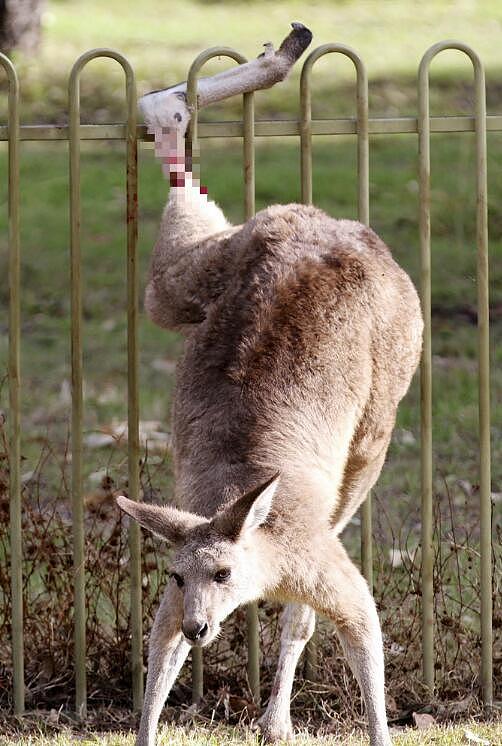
(169, 523)
(248, 512)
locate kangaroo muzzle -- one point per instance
(195, 631)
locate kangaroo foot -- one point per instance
(275, 729)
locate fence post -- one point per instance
(76, 365)
(252, 621)
(483, 370)
(363, 214)
(77, 401)
(16, 546)
(426, 381)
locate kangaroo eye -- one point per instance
(179, 580)
(222, 575)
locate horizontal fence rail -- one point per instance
(263, 128)
(248, 129)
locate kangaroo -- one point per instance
(301, 336)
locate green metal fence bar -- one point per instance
(77, 402)
(133, 385)
(76, 360)
(16, 546)
(263, 128)
(310, 666)
(253, 663)
(249, 156)
(426, 383)
(252, 620)
(306, 130)
(363, 214)
(480, 121)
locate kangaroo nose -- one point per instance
(195, 631)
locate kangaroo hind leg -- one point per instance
(341, 594)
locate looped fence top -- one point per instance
(77, 376)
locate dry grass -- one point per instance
(488, 734)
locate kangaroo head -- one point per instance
(213, 564)
(166, 109)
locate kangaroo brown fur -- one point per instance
(301, 337)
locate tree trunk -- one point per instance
(20, 25)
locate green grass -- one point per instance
(161, 42)
(437, 736)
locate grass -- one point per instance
(221, 736)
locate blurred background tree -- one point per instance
(20, 25)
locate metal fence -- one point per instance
(362, 127)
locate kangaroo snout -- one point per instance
(195, 631)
